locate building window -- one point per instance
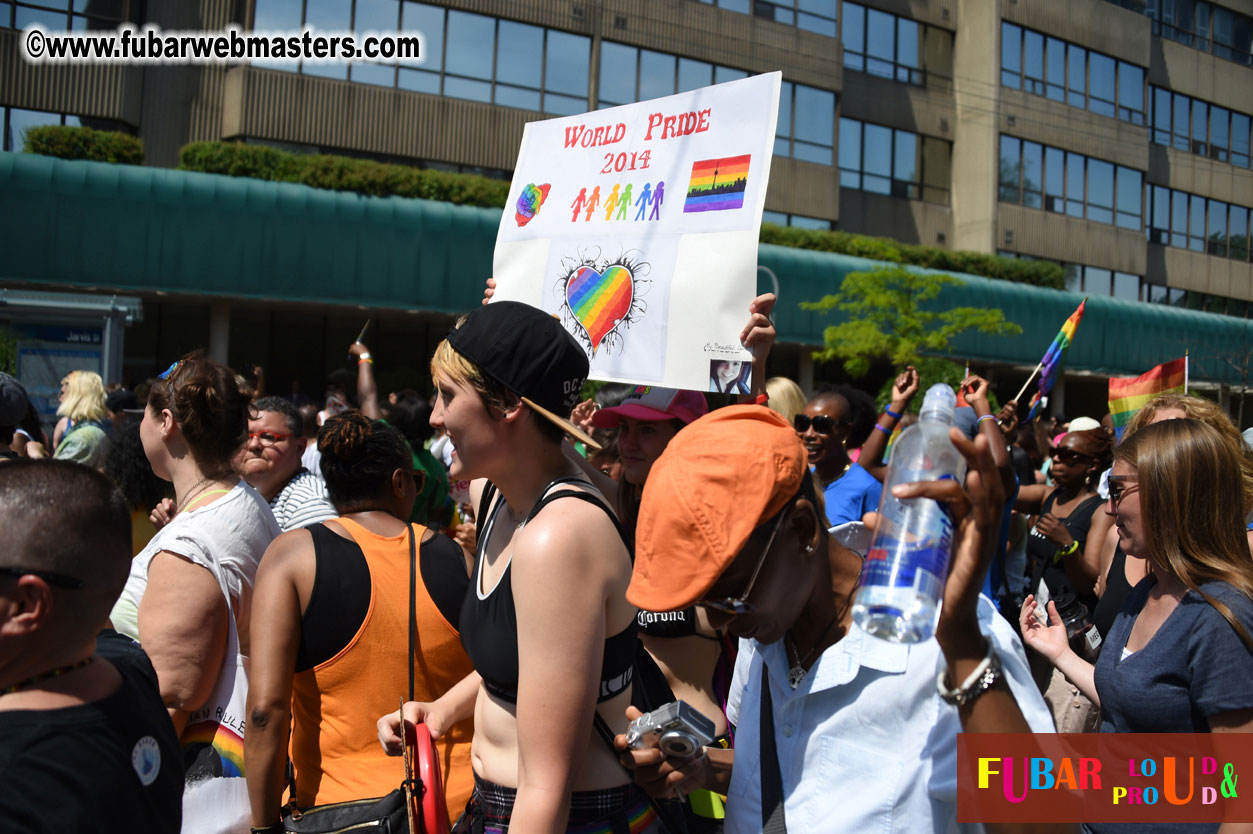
(810, 15)
(887, 45)
(1201, 25)
(1157, 294)
(58, 15)
(629, 74)
(1038, 176)
(468, 56)
(1189, 221)
(14, 122)
(800, 221)
(1062, 71)
(1195, 126)
(806, 128)
(899, 163)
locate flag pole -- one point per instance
(1028, 382)
(1185, 370)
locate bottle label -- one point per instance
(921, 565)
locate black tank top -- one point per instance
(489, 622)
(1116, 589)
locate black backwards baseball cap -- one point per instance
(530, 353)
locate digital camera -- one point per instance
(678, 729)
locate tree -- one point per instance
(889, 318)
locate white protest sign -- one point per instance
(637, 226)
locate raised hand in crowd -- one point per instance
(872, 451)
(489, 289)
(367, 389)
(758, 337)
(163, 513)
(1007, 419)
(581, 416)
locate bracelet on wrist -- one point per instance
(985, 417)
(894, 415)
(883, 429)
(762, 399)
(983, 678)
(365, 359)
(1063, 552)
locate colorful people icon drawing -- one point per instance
(611, 202)
(624, 202)
(658, 194)
(646, 197)
(592, 202)
(578, 204)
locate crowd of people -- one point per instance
(213, 600)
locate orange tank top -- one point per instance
(335, 705)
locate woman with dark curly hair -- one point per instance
(330, 632)
(189, 595)
(128, 468)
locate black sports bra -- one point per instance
(489, 622)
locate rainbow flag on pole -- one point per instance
(1054, 358)
(1127, 395)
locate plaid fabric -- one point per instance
(623, 810)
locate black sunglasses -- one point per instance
(51, 577)
(1070, 455)
(822, 423)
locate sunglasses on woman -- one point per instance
(1070, 455)
(1119, 486)
(822, 423)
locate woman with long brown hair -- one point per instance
(1180, 653)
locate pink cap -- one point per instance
(652, 402)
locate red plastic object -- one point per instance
(431, 805)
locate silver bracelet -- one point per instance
(985, 675)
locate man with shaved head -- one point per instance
(85, 741)
(849, 491)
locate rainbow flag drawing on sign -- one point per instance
(1127, 395)
(717, 184)
(1054, 358)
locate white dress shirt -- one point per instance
(865, 743)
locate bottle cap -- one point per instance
(938, 404)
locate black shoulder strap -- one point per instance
(773, 819)
(480, 512)
(413, 603)
(582, 496)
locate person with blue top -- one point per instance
(849, 491)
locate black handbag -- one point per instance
(390, 814)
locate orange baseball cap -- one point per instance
(717, 480)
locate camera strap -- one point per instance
(773, 820)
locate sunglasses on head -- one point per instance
(822, 423)
(61, 580)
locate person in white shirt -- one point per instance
(863, 738)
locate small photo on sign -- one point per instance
(717, 184)
(729, 376)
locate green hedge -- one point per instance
(1020, 270)
(378, 179)
(67, 142)
(341, 173)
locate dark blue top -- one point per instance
(1194, 667)
(851, 496)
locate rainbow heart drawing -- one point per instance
(529, 202)
(600, 300)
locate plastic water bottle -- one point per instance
(903, 578)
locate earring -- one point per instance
(809, 548)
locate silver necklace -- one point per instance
(797, 666)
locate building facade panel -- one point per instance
(920, 109)
(1057, 237)
(1200, 273)
(798, 187)
(1054, 123)
(909, 221)
(1192, 72)
(106, 91)
(1199, 175)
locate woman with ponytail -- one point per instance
(189, 595)
(1179, 656)
(331, 633)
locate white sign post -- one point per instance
(637, 226)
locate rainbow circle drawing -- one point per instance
(529, 202)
